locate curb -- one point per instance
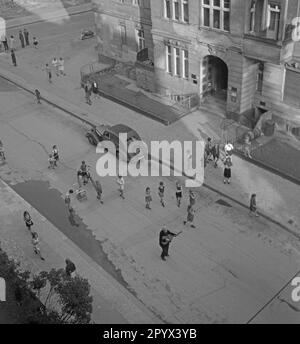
(246, 206)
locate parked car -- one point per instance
(85, 34)
(102, 133)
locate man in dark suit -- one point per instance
(165, 237)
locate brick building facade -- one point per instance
(239, 50)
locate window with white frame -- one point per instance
(167, 9)
(176, 14)
(252, 16)
(185, 64)
(169, 68)
(177, 61)
(273, 19)
(136, 2)
(185, 11)
(177, 10)
(216, 14)
(141, 39)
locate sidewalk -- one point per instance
(277, 198)
(34, 13)
(112, 304)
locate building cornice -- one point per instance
(124, 16)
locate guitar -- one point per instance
(168, 238)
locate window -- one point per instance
(136, 2)
(168, 9)
(185, 64)
(273, 18)
(177, 10)
(177, 61)
(141, 39)
(260, 78)
(216, 14)
(185, 11)
(169, 59)
(123, 34)
(252, 16)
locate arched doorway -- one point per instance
(214, 77)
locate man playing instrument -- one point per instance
(165, 237)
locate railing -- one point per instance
(187, 101)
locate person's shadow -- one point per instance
(72, 219)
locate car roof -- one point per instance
(122, 128)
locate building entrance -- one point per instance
(214, 77)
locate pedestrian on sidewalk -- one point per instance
(51, 161)
(190, 216)
(70, 268)
(148, 198)
(192, 198)
(247, 147)
(227, 169)
(35, 42)
(55, 65)
(165, 238)
(49, 73)
(22, 40)
(28, 220)
(55, 154)
(61, 66)
(121, 183)
(161, 193)
(11, 42)
(38, 96)
(68, 201)
(98, 188)
(13, 58)
(178, 193)
(253, 208)
(35, 243)
(26, 35)
(88, 93)
(4, 42)
(207, 149)
(216, 153)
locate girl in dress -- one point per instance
(148, 198)
(161, 193)
(227, 169)
(178, 193)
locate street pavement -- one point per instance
(224, 271)
(277, 197)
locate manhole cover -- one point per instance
(224, 203)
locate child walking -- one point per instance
(148, 198)
(253, 208)
(35, 243)
(178, 194)
(190, 216)
(161, 193)
(27, 219)
(121, 183)
(51, 162)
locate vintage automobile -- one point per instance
(85, 34)
(102, 133)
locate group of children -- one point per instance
(212, 153)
